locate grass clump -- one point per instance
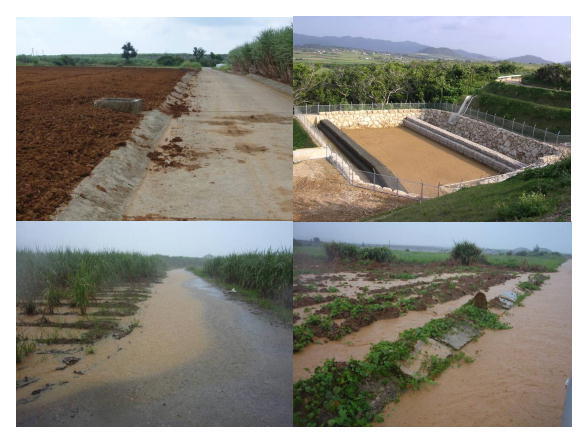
(23, 347)
(335, 250)
(466, 253)
(528, 205)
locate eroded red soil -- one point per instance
(61, 136)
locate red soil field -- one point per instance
(61, 137)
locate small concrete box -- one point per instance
(131, 105)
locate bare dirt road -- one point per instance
(197, 359)
(518, 376)
(236, 155)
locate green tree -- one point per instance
(128, 52)
(198, 53)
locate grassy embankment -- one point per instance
(546, 108)
(262, 277)
(542, 194)
(269, 55)
(46, 280)
(301, 139)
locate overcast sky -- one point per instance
(500, 37)
(52, 36)
(180, 238)
(553, 236)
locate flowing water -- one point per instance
(518, 376)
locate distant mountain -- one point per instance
(390, 47)
(366, 44)
(455, 53)
(532, 59)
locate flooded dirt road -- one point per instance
(230, 157)
(518, 375)
(198, 359)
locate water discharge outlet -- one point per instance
(462, 109)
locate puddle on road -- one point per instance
(201, 284)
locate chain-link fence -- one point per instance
(520, 127)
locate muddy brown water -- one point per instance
(198, 359)
(518, 376)
(357, 345)
(413, 157)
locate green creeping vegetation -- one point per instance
(141, 60)
(515, 199)
(548, 97)
(267, 273)
(269, 55)
(77, 275)
(394, 82)
(301, 139)
(554, 119)
(350, 393)
(557, 76)
(336, 250)
(528, 287)
(547, 263)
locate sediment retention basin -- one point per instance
(517, 147)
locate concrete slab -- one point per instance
(131, 105)
(422, 352)
(510, 296)
(459, 336)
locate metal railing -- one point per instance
(519, 127)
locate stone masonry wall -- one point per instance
(524, 149)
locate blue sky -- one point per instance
(52, 36)
(182, 238)
(501, 37)
(554, 236)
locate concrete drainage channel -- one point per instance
(103, 195)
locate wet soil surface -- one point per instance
(198, 359)
(518, 376)
(413, 157)
(232, 158)
(322, 194)
(61, 136)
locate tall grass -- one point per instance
(336, 250)
(78, 274)
(269, 55)
(269, 273)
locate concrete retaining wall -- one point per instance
(495, 160)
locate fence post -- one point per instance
(421, 190)
(557, 137)
(544, 135)
(306, 110)
(533, 135)
(523, 129)
(513, 120)
(438, 190)
(494, 118)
